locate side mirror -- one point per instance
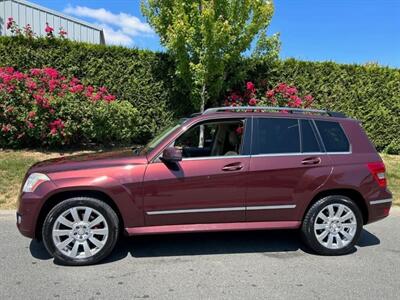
(171, 154)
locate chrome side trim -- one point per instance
(270, 207)
(381, 201)
(196, 210)
(218, 209)
(289, 154)
(299, 154)
(215, 157)
(339, 153)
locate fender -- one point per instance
(124, 188)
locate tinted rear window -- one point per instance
(276, 136)
(333, 136)
(309, 141)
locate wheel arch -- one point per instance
(61, 196)
(351, 193)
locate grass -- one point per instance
(392, 163)
(13, 165)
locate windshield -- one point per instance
(160, 137)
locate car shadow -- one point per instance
(267, 242)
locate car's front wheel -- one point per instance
(80, 231)
(332, 225)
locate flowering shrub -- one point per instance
(27, 31)
(282, 95)
(42, 107)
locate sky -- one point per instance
(344, 31)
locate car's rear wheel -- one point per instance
(80, 231)
(332, 226)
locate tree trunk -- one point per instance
(202, 106)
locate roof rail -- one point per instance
(274, 108)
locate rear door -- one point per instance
(287, 165)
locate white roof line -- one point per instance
(57, 13)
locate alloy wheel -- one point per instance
(80, 232)
(335, 226)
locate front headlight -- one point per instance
(33, 182)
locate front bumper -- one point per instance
(29, 207)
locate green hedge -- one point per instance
(141, 77)
(369, 93)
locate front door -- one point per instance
(208, 185)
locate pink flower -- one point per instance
(96, 97)
(250, 86)
(55, 125)
(36, 72)
(52, 73)
(89, 91)
(109, 98)
(252, 102)
(239, 130)
(53, 131)
(103, 90)
(10, 89)
(62, 33)
(281, 87)
(31, 114)
(6, 128)
(53, 84)
(30, 84)
(270, 94)
(291, 90)
(48, 29)
(28, 31)
(309, 99)
(74, 81)
(29, 124)
(296, 101)
(6, 78)
(10, 22)
(9, 70)
(77, 88)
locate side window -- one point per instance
(309, 142)
(275, 135)
(221, 138)
(333, 136)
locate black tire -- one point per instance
(309, 235)
(103, 208)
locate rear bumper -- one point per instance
(379, 208)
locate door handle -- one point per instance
(311, 161)
(232, 167)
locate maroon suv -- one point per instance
(225, 169)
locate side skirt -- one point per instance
(185, 228)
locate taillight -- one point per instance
(377, 170)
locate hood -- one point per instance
(89, 160)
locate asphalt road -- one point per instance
(244, 265)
